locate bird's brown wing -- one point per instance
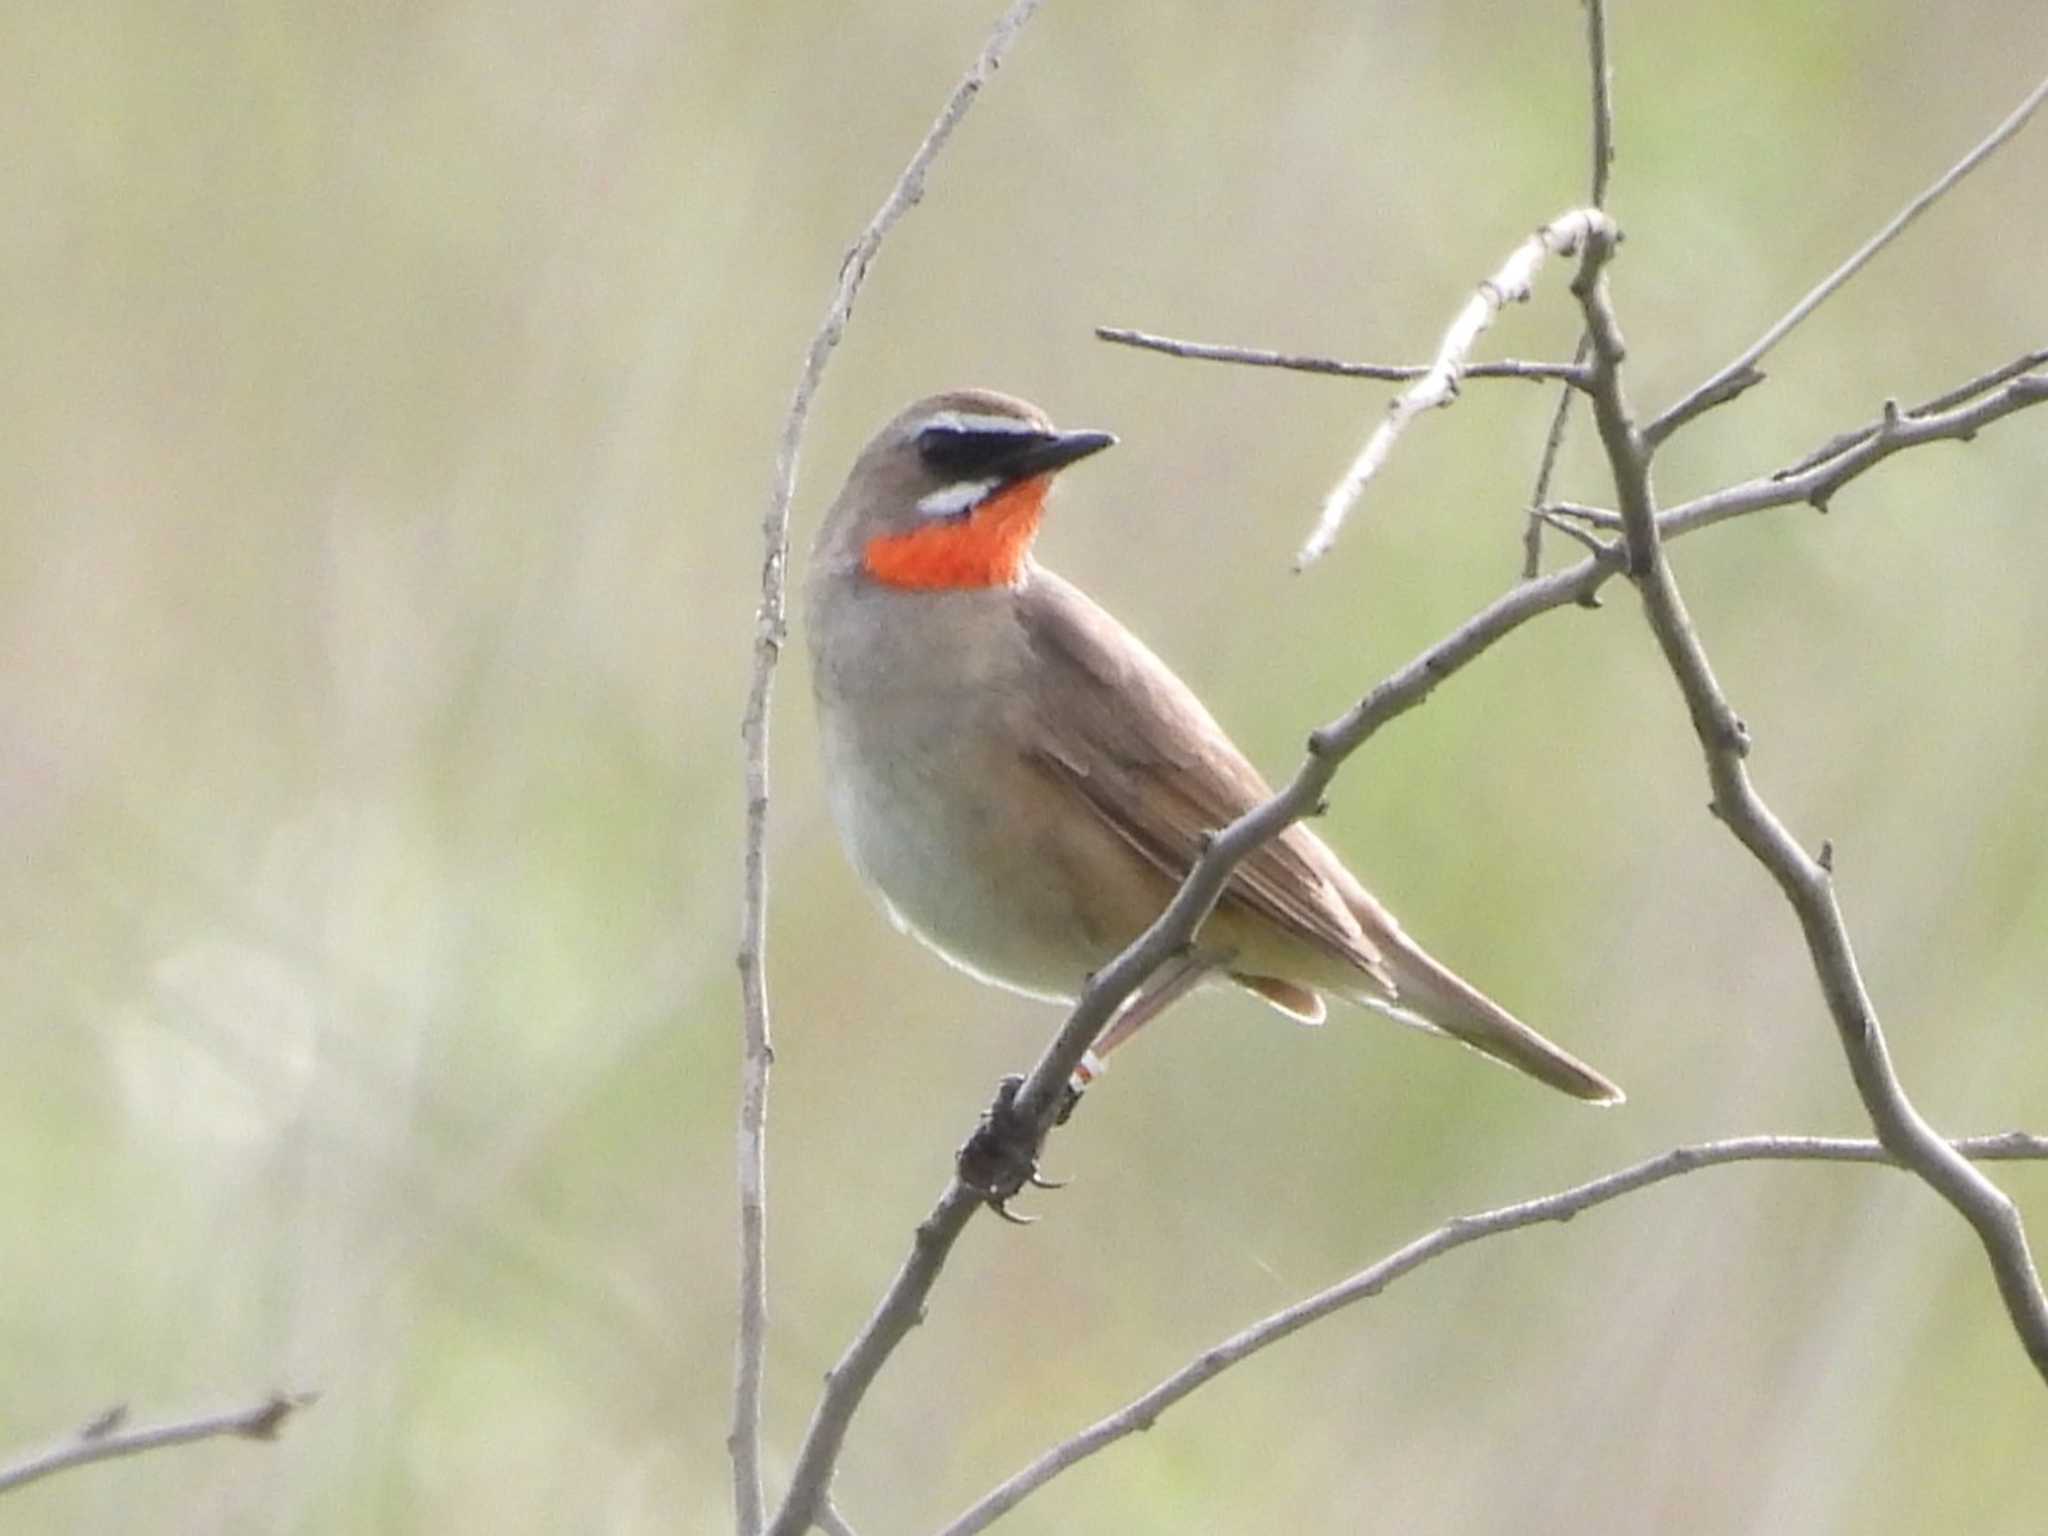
(1109, 721)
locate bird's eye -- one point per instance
(971, 447)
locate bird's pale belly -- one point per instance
(982, 886)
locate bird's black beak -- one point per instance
(1041, 453)
(968, 453)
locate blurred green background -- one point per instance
(388, 412)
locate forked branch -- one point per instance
(1740, 371)
(1807, 882)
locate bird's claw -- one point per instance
(1001, 1157)
(1002, 1209)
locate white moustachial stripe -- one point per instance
(950, 500)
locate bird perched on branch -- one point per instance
(1026, 784)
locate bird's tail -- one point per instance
(1432, 995)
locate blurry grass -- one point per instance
(389, 416)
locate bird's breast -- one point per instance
(941, 809)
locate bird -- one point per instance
(1025, 783)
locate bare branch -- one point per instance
(1603, 165)
(1143, 1411)
(1574, 532)
(105, 1438)
(900, 1309)
(1603, 99)
(1741, 371)
(770, 624)
(1815, 478)
(1592, 517)
(1807, 882)
(1819, 479)
(1439, 386)
(1842, 442)
(831, 1522)
(1260, 357)
(1539, 493)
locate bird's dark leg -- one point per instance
(1173, 981)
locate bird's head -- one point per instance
(949, 494)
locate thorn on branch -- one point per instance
(1826, 860)
(104, 1424)
(282, 1405)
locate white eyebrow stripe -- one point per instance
(955, 498)
(962, 421)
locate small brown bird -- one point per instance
(1026, 783)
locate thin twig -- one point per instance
(1603, 99)
(1539, 493)
(1603, 166)
(105, 1438)
(1594, 517)
(1573, 531)
(770, 624)
(1439, 386)
(1807, 883)
(1143, 1411)
(1300, 362)
(900, 1309)
(1820, 479)
(1741, 371)
(1815, 478)
(1841, 443)
(831, 1522)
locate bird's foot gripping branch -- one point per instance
(1001, 1158)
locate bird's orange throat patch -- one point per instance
(986, 548)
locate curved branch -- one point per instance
(1816, 478)
(105, 1439)
(1741, 371)
(1602, 76)
(1807, 882)
(1955, 415)
(770, 625)
(1301, 362)
(1144, 1410)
